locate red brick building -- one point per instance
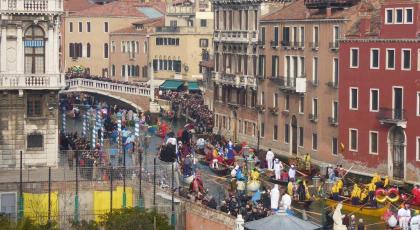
(379, 91)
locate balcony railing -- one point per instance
(274, 44)
(314, 45)
(261, 43)
(333, 121)
(392, 116)
(108, 86)
(32, 6)
(314, 82)
(180, 10)
(274, 110)
(313, 117)
(297, 45)
(334, 45)
(31, 81)
(285, 43)
(168, 29)
(333, 84)
(320, 4)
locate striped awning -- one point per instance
(34, 43)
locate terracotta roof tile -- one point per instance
(77, 5)
(117, 8)
(147, 23)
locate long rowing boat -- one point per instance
(365, 210)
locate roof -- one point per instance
(127, 8)
(76, 5)
(172, 84)
(146, 22)
(193, 86)
(298, 11)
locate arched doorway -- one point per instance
(396, 142)
(294, 135)
(34, 50)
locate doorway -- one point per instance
(397, 154)
(294, 135)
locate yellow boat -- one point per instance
(365, 210)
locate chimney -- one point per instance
(329, 11)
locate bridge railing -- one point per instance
(107, 86)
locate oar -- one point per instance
(360, 209)
(347, 171)
(303, 174)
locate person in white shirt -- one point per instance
(404, 215)
(292, 173)
(269, 158)
(274, 197)
(286, 201)
(278, 167)
(415, 221)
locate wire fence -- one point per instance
(66, 194)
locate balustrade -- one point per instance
(31, 81)
(108, 86)
(31, 5)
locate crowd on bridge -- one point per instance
(73, 75)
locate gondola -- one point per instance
(222, 170)
(361, 209)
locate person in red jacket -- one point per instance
(416, 195)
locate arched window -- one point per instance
(137, 70)
(88, 50)
(113, 70)
(34, 50)
(106, 50)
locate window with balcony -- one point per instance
(314, 141)
(276, 36)
(75, 50)
(34, 43)
(390, 59)
(334, 146)
(275, 137)
(374, 100)
(286, 36)
(203, 22)
(261, 66)
(301, 136)
(34, 141)
(335, 73)
(354, 98)
(34, 105)
(406, 59)
(374, 58)
(408, 19)
(389, 16)
(399, 16)
(246, 20)
(301, 104)
(106, 27)
(302, 36)
(353, 140)
(295, 35)
(354, 57)
(373, 142)
(286, 133)
(71, 27)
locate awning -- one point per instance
(172, 84)
(193, 86)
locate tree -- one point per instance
(24, 224)
(135, 218)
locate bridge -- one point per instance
(137, 96)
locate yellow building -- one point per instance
(86, 32)
(176, 48)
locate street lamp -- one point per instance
(137, 135)
(121, 147)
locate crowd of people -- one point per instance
(85, 75)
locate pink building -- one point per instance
(379, 91)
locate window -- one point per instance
(75, 50)
(389, 16)
(262, 129)
(354, 98)
(275, 132)
(354, 57)
(301, 136)
(302, 36)
(173, 23)
(106, 27)
(123, 71)
(34, 105)
(418, 104)
(203, 23)
(88, 50)
(34, 43)
(80, 26)
(88, 26)
(286, 102)
(374, 100)
(398, 16)
(301, 104)
(334, 146)
(315, 36)
(315, 70)
(276, 35)
(261, 66)
(275, 66)
(335, 72)
(34, 141)
(418, 148)
(335, 111)
(71, 26)
(204, 43)
(113, 47)
(262, 35)
(353, 139)
(390, 58)
(418, 60)
(286, 133)
(315, 107)
(113, 70)
(314, 141)
(406, 59)
(373, 142)
(374, 58)
(275, 100)
(408, 19)
(106, 50)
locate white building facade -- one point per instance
(30, 79)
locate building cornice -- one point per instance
(308, 20)
(389, 40)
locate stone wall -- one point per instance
(200, 217)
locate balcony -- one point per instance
(313, 117)
(392, 117)
(313, 82)
(333, 84)
(314, 46)
(274, 44)
(322, 4)
(285, 44)
(31, 81)
(167, 29)
(180, 10)
(31, 6)
(236, 80)
(333, 121)
(334, 46)
(274, 111)
(239, 36)
(261, 44)
(260, 108)
(297, 45)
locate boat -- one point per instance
(279, 182)
(302, 204)
(365, 210)
(222, 170)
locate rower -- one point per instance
(371, 190)
(340, 186)
(307, 194)
(335, 192)
(290, 188)
(363, 195)
(386, 182)
(255, 174)
(307, 160)
(355, 195)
